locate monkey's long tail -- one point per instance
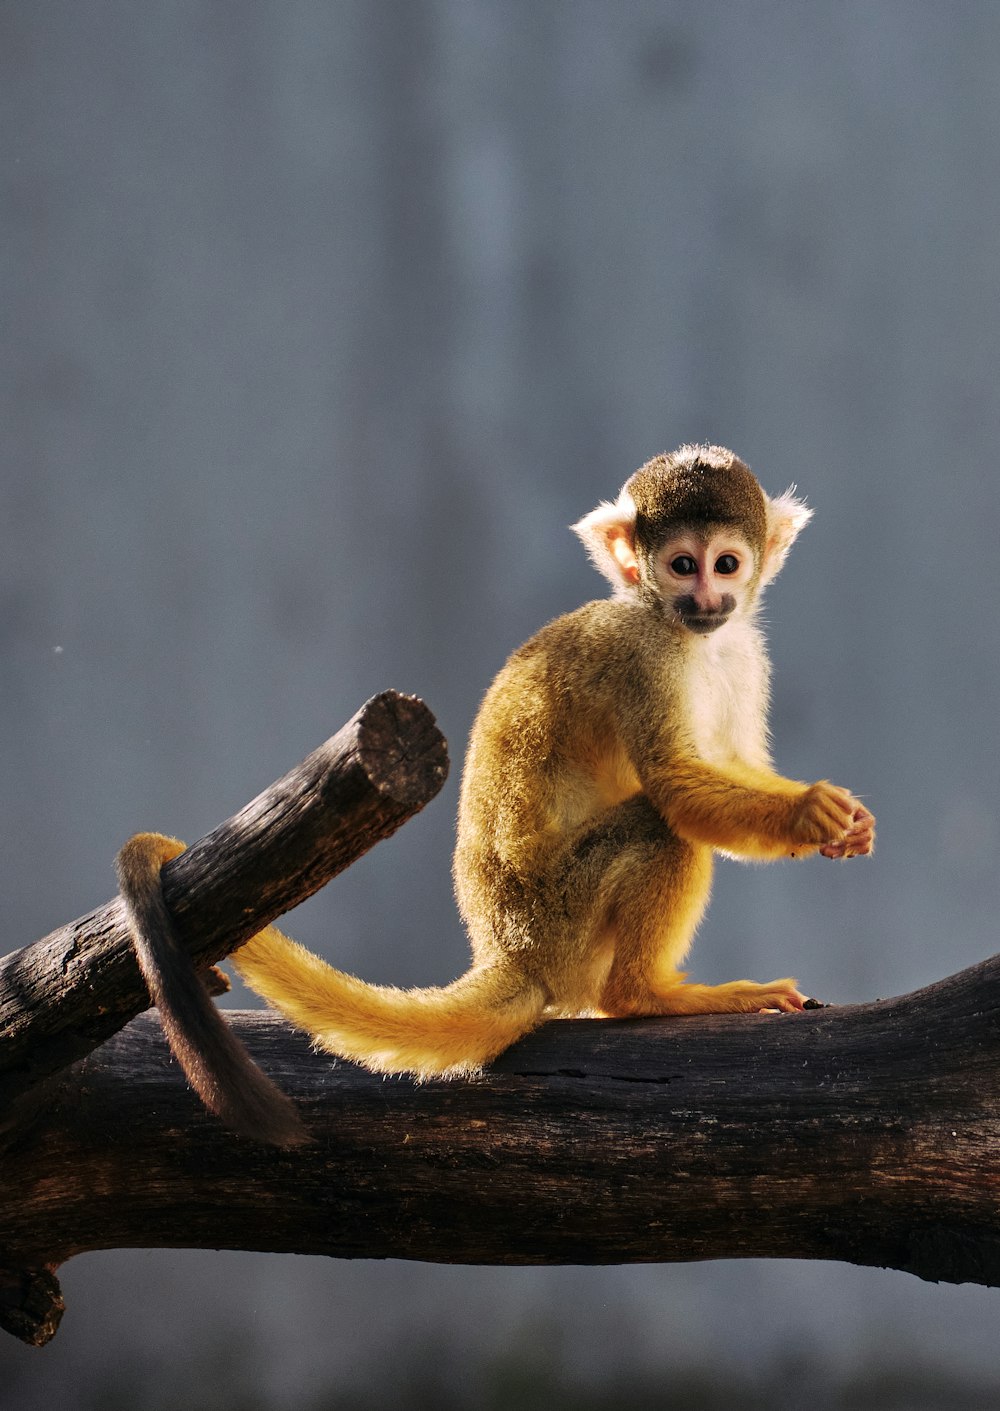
(214, 1060)
(439, 1032)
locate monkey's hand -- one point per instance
(824, 818)
(858, 841)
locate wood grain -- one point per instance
(867, 1133)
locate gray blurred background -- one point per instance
(322, 320)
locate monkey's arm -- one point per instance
(857, 841)
(749, 812)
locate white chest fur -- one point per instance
(727, 688)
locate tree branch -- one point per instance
(64, 995)
(868, 1133)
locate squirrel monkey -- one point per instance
(615, 752)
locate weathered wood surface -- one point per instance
(64, 995)
(866, 1133)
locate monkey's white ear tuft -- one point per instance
(786, 515)
(608, 535)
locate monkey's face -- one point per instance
(704, 578)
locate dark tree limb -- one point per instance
(64, 995)
(867, 1133)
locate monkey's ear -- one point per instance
(608, 535)
(786, 515)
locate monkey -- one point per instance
(616, 752)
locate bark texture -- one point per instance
(867, 1133)
(64, 995)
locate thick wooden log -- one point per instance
(64, 995)
(868, 1133)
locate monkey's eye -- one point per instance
(683, 565)
(727, 563)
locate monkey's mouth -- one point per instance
(702, 626)
(700, 622)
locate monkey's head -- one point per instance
(693, 533)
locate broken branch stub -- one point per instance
(66, 994)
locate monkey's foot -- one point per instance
(736, 997)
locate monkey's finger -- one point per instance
(859, 839)
(828, 816)
(841, 853)
(859, 842)
(858, 848)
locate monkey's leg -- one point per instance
(658, 889)
(733, 997)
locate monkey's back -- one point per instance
(545, 753)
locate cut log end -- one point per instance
(401, 749)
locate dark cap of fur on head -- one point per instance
(696, 486)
